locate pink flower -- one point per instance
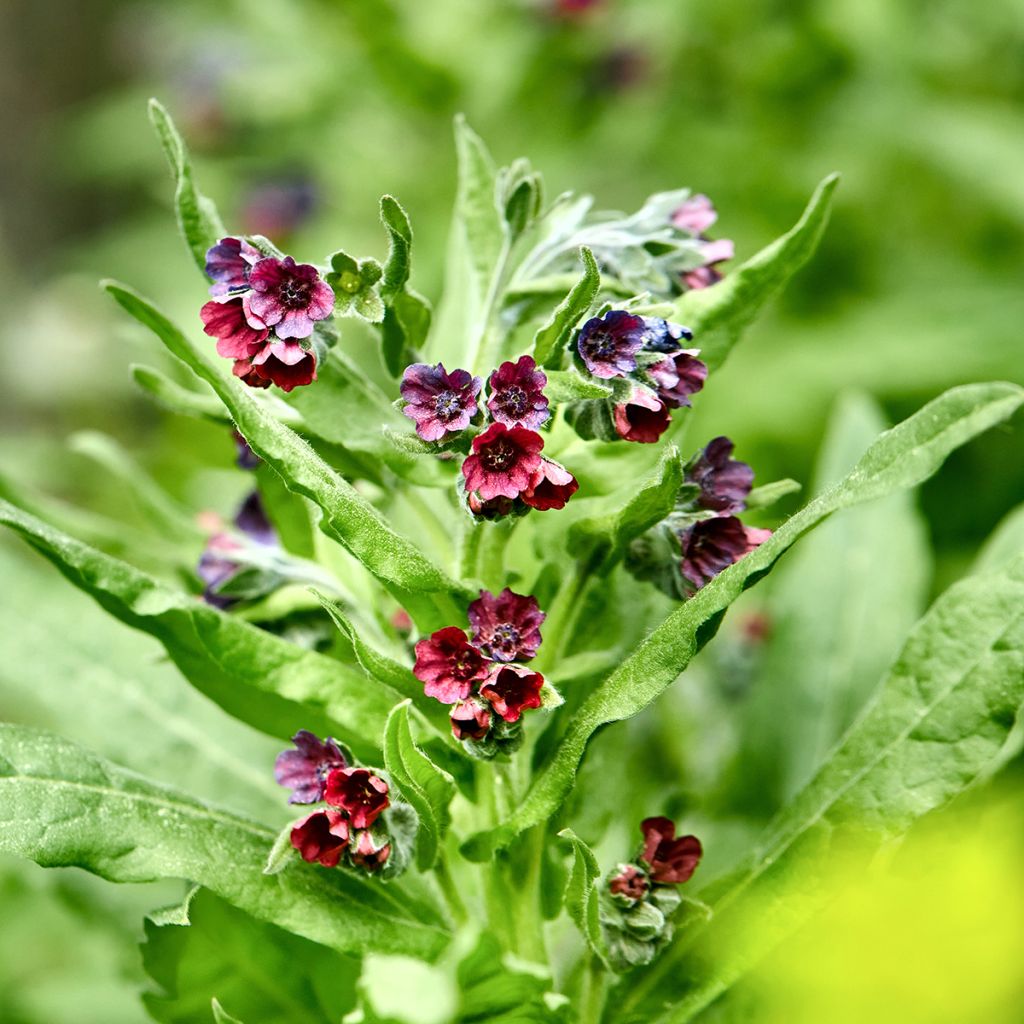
(551, 486)
(679, 375)
(287, 296)
(713, 253)
(644, 418)
(448, 665)
(321, 836)
(471, 719)
(669, 860)
(506, 627)
(236, 337)
(358, 792)
(511, 690)
(304, 770)
(695, 216)
(439, 402)
(369, 851)
(517, 394)
(503, 461)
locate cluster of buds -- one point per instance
(695, 216)
(263, 312)
(482, 675)
(656, 373)
(353, 827)
(703, 535)
(639, 898)
(504, 472)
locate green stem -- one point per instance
(449, 890)
(563, 616)
(594, 994)
(492, 552)
(469, 550)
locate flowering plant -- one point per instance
(470, 541)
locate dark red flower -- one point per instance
(284, 363)
(304, 770)
(236, 337)
(724, 481)
(695, 216)
(245, 372)
(471, 719)
(517, 394)
(321, 836)
(511, 690)
(709, 274)
(609, 344)
(506, 627)
(503, 461)
(229, 264)
(368, 851)
(358, 792)
(494, 508)
(448, 665)
(669, 860)
(711, 545)
(288, 296)
(679, 375)
(439, 402)
(629, 881)
(551, 486)
(644, 418)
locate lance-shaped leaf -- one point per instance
(582, 899)
(940, 716)
(426, 591)
(259, 678)
(901, 457)
(207, 951)
(570, 386)
(551, 340)
(648, 502)
(718, 315)
(197, 216)
(174, 398)
(426, 787)
(64, 807)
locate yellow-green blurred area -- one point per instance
(301, 113)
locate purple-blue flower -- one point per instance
(304, 770)
(437, 401)
(724, 481)
(608, 345)
(229, 264)
(663, 335)
(517, 394)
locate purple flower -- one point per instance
(251, 518)
(506, 627)
(643, 418)
(724, 482)
(439, 402)
(287, 296)
(709, 274)
(629, 881)
(695, 216)
(471, 719)
(517, 394)
(223, 558)
(677, 376)
(711, 545)
(236, 337)
(321, 836)
(503, 461)
(448, 665)
(511, 690)
(369, 851)
(278, 207)
(551, 486)
(246, 458)
(304, 770)
(229, 263)
(663, 335)
(669, 860)
(359, 793)
(608, 345)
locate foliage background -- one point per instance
(916, 287)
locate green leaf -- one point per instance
(426, 787)
(259, 678)
(647, 502)
(551, 340)
(581, 894)
(399, 261)
(1004, 543)
(65, 807)
(478, 216)
(940, 716)
(426, 591)
(174, 398)
(197, 216)
(718, 315)
(570, 386)
(222, 1017)
(902, 457)
(768, 494)
(207, 951)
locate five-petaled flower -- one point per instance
(644, 417)
(288, 296)
(608, 345)
(358, 792)
(304, 770)
(512, 689)
(551, 486)
(437, 401)
(503, 461)
(517, 394)
(711, 545)
(724, 481)
(669, 860)
(448, 665)
(321, 836)
(506, 627)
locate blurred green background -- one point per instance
(301, 113)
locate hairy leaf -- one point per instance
(64, 807)
(551, 340)
(174, 398)
(570, 386)
(581, 895)
(902, 457)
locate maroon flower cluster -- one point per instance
(318, 771)
(478, 674)
(263, 310)
(663, 860)
(695, 216)
(504, 471)
(648, 352)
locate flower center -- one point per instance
(514, 400)
(447, 405)
(294, 294)
(602, 343)
(505, 635)
(498, 457)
